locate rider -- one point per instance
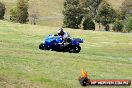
(65, 35)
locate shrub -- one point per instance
(88, 24)
(129, 25)
(2, 11)
(13, 14)
(118, 26)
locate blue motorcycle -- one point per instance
(56, 43)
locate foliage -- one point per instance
(106, 15)
(71, 2)
(88, 24)
(2, 10)
(118, 26)
(129, 24)
(73, 17)
(92, 5)
(22, 11)
(72, 14)
(13, 14)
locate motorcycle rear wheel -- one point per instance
(74, 49)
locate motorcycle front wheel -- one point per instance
(42, 47)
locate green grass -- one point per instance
(106, 55)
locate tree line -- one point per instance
(82, 14)
(87, 13)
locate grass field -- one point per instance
(105, 55)
(46, 10)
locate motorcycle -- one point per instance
(56, 43)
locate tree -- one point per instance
(34, 16)
(73, 14)
(88, 24)
(22, 11)
(106, 15)
(33, 12)
(2, 11)
(92, 5)
(118, 26)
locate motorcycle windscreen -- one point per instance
(80, 40)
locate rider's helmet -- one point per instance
(61, 32)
